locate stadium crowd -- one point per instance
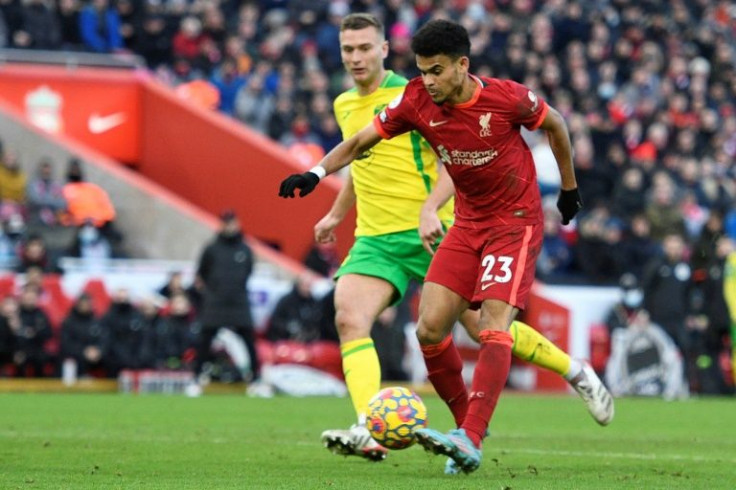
(648, 89)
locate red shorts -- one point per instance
(495, 263)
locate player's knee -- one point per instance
(351, 325)
(429, 333)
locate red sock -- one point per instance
(445, 372)
(489, 378)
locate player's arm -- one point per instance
(569, 201)
(430, 225)
(340, 156)
(324, 229)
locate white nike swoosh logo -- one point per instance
(485, 286)
(432, 124)
(101, 124)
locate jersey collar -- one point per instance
(386, 76)
(476, 94)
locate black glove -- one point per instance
(569, 203)
(306, 182)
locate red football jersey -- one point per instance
(480, 143)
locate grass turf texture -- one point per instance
(98, 441)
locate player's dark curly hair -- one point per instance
(441, 37)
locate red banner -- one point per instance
(100, 108)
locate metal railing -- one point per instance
(72, 59)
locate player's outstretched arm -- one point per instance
(430, 226)
(340, 156)
(569, 201)
(324, 229)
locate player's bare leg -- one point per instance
(359, 300)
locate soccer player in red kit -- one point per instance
(487, 259)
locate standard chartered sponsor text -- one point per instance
(472, 158)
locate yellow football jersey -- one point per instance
(392, 179)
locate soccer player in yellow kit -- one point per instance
(390, 184)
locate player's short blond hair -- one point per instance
(358, 21)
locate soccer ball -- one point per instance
(393, 416)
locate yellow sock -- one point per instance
(532, 346)
(362, 373)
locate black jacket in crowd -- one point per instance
(35, 331)
(666, 288)
(7, 341)
(128, 337)
(173, 335)
(296, 317)
(80, 330)
(225, 266)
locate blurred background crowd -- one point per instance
(648, 89)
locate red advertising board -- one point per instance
(553, 321)
(100, 108)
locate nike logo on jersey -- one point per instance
(101, 124)
(485, 286)
(433, 124)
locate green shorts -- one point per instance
(395, 257)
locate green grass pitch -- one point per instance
(80, 441)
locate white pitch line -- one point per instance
(647, 456)
(596, 454)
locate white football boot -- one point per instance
(595, 395)
(355, 441)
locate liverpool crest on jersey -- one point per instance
(485, 124)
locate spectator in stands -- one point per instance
(253, 104)
(11, 232)
(127, 334)
(228, 81)
(194, 46)
(175, 334)
(296, 315)
(638, 247)
(33, 253)
(45, 196)
(709, 324)
(12, 186)
(84, 338)
(629, 193)
(88, 203)
(91, 245)
(149, 308)
(666, 284)
(663, 210)
(34, 276)
(223, 270)
(322, 258)
(704, 248)
(7, 342)
(175, 285)
(280, 120)
(99, 27)
(33, 330)
(302, 143)
(129, 14)
(630, 302)
(154, 42)
(598, 247)
(67, 11)
(40, 28)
